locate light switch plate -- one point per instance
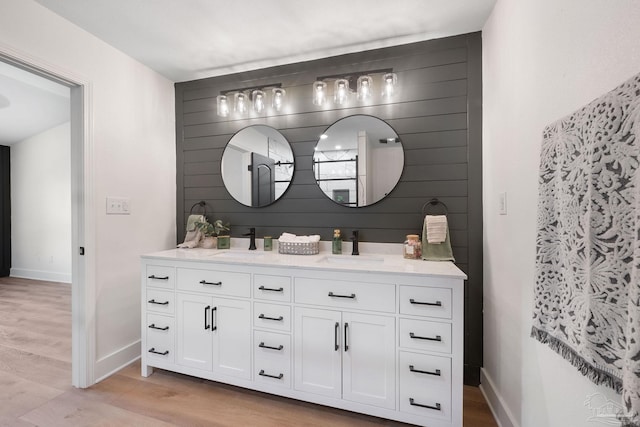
(118, 206)
(502, 204)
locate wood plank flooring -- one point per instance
(35, 378)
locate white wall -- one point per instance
(133, 135)
(541, 61)
(41, 206)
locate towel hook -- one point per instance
(431, 204)
(202, 204)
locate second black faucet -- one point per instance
(354, 238)
(252, 238)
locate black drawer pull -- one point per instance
(204, 282)
(214, 328)
(154, 277)
(153, 326)
(335, 341)
(153, 350)
(278, 319)
(436, 304)
(417, 337)
(436, 373)
(346, 333)
(206, 325)
(262, 288)
(331, 294)
(262, 374)
(413, 403)
(262, 345)
(153, 301)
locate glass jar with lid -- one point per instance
(413, 247)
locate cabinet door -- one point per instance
(194, 331)
(318, 349)
(369, 363)
(231, 324)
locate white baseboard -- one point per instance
(504, 417)
(49, 276)
(109, 365)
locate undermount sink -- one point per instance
(352, 260)
(239, 254)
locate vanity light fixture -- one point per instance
(362, 83)
(253, 98)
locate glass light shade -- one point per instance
(241, 102)
(278, 98)
(389, 81)
(223, 105)
(259, 98)
(341, 91)
(364, 88)
(319, 92)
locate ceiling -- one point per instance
(29, 104)
(192, 39)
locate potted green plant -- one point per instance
(211, 234)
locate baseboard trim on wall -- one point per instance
(503, 416)
(49, 276)
(109, 365)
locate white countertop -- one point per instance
(374, 257)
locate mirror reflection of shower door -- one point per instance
(263, 181)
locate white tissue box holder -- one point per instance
(298, 248)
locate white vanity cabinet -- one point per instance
(382, 340)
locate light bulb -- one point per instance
(341, 91)
(388, 84)
(240, 105)
(278, 98)
(258, 101)
(364, 88)
(319, 92)
(223, 106)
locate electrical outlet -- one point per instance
(118, 206)
(502, 204)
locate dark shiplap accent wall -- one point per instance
(5, 211)
(436, 111)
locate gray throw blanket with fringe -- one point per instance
(587, 290)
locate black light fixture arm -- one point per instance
(250, 89)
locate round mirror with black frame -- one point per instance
(257, 165)
(358, 160)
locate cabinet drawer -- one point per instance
(272, 316)
(215, 282)
(160, 333)
(425, 335)
(343, 294)
(160, 301)
(272, 288)
(160, 276)
(272, 353)
(419, 301)
(425, 385)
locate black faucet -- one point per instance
(252, 238)
(354, 239)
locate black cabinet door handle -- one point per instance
(262, 374)
(154, 277)
(153, 350)
(206, 324)
(417, 337)
(204, 282)
(262, 288)
(436, 304)
(153, 326)
(153, 301)
(278, 319)
(336, 336)
(413, 403)
(262, 345)
(436, 373)
(331, 294)
(346, 329)
(214, 326)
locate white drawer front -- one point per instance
(272, 353)
(343, 294)
(160, 276)
(420, 301)
(425, 385)
(425, 335)
(160, 332)
(160, 301)
(272, 288)
(272, 316)
(215, 282)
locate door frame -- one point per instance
(82, 215)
